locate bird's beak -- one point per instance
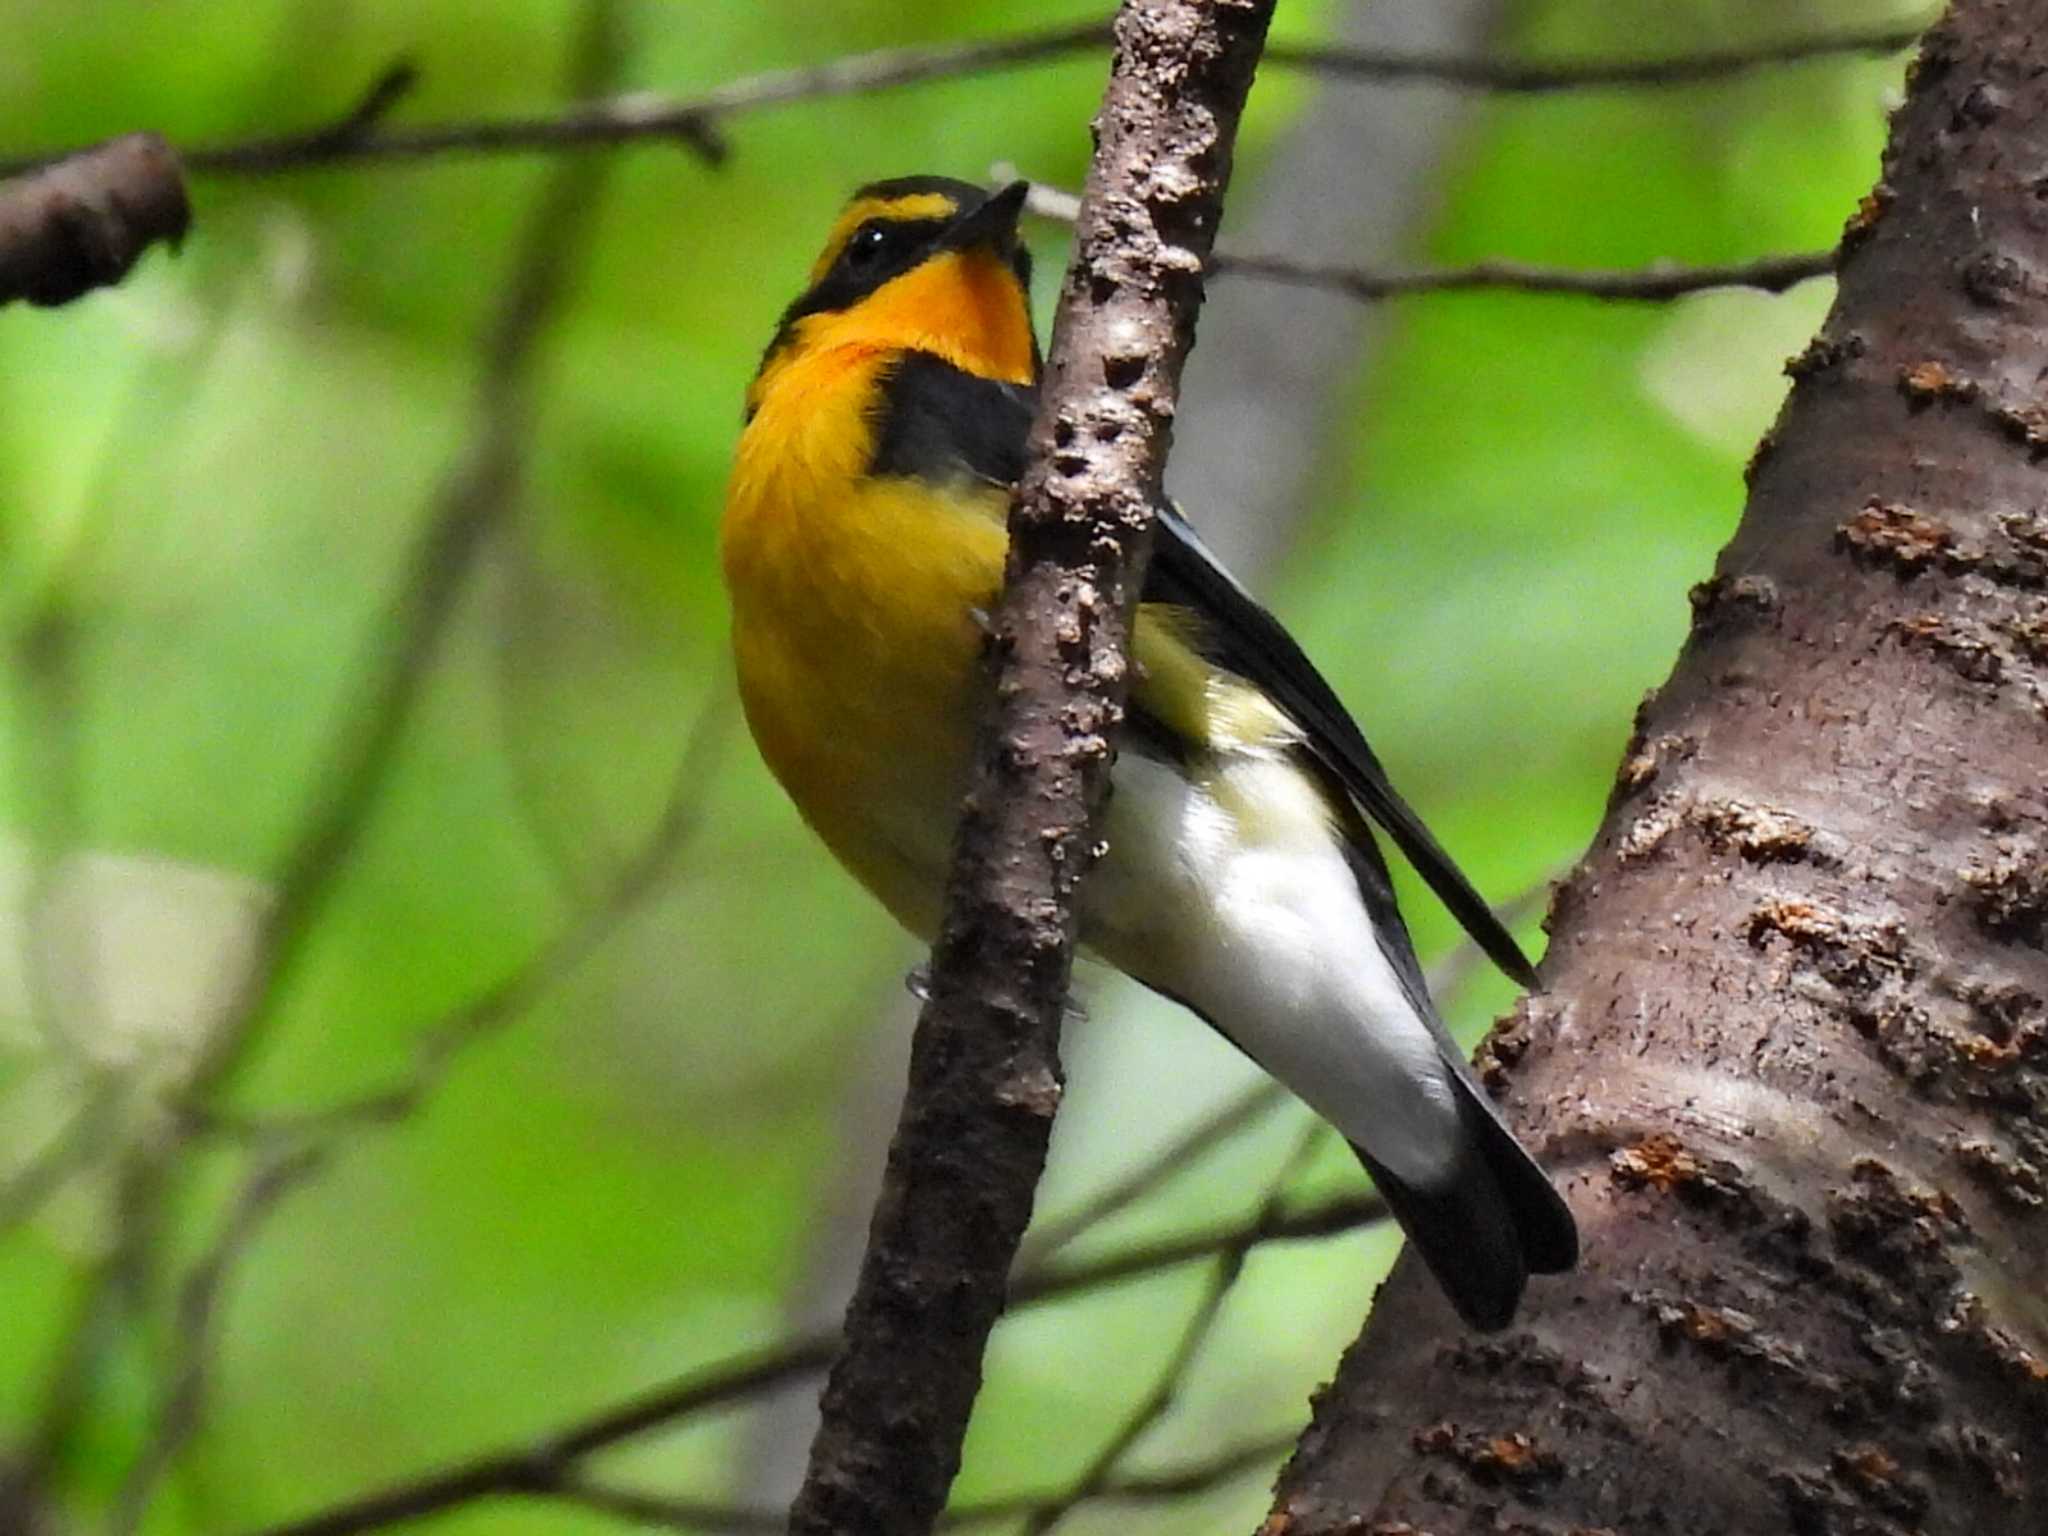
(993, 224)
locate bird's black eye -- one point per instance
(870, 243)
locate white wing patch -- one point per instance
(1231, 891)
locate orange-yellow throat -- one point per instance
(854, 595)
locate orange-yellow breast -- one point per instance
(854, 597)
(853, 628)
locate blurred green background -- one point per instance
(212, 480)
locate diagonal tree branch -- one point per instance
(72, 1148)
(468, 507)
(1221, 1466)
(1238, 1113)
(108, 1295)
(182, 1401)
(537, 1464)
(662, 1511)
(443, 1043)
(984, 1072)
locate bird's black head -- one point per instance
(889, 227)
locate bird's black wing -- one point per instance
(934, 420)
(1242, 637)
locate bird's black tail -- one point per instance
(1497, 1221)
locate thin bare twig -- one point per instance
(442, 1043)
(1654, 284)
(114, 1288)
(1177, 1482)
(534, 1464)
(660, 1511)
(1237, 1113)
(76, 1143)
(182, 1402)
(399, 80)
(468, 508)
(1345, 1213)
(1547, 76)
(649, 116)
(685, 1514)
(984, 1079)
(1657, 283)
(1229, 1269)
(355, 136)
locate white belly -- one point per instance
(1234, 895)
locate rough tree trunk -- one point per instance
(1791, 1060)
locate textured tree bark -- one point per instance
(984, 1068)
(1791, 1062)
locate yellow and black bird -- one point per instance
(863, 543)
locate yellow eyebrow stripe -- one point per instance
(918, 205)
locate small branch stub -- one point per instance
(83, 222)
